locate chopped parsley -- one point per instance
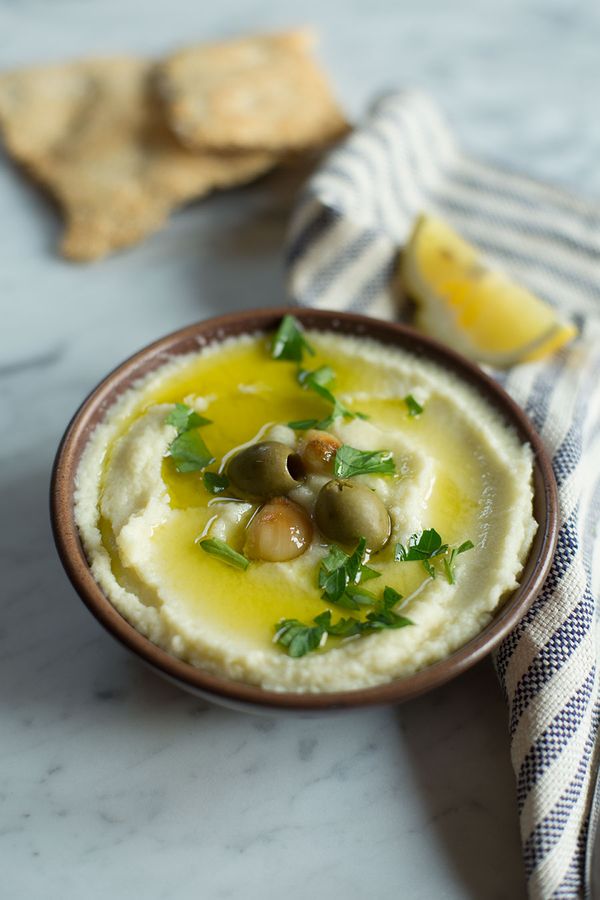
(450, 560)
(344, 627)
(317, 381)
(299, 639)
(183, 417)
(289, 341)
(340, 573)
(306, 424)
(188, 450)
(224, 552)
(414, 408)
(383, 615)
(428, 545)
(215, 483)
(190, 453)
(421, 546)
(323, 376)
(349, 462)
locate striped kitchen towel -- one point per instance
(352, 217)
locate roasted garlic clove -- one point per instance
(279, 531)
(318, 451)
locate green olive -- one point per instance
(346, 511)
(264, 470)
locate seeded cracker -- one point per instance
(92, 132)
(252, 93)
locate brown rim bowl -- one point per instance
(250, 697)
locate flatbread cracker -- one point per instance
(93, 133)
(263, 92)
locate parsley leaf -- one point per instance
(317, 381)
(306, 424)
(323, 376)
(299, 639)
(354, 561)
(426, 546)
(339, 409)
(335, 556)
(450, 561)
(289, 341)
(428, 567)
(366, 573)
(215, 483)
(466, 545)
(340, 573)
(333, 584)
(382, 618)
(359, 596)
(223, 551)
(349, 461)
(189, 452)
(414, 408)
(183, 417)
(346, 627)
(314, 385)
(320, 424)
(421, 546)
(390, 597)
(383, 615)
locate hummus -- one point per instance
(458, 469)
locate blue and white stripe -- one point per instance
(354, 214)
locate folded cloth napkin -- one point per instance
(353, 216)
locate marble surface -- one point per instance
(113, 783)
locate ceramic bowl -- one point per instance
(249, 697)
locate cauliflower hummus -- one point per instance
(305, 512)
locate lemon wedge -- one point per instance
(476, 310)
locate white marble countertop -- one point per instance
(112, 783)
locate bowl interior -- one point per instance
(224, 690)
